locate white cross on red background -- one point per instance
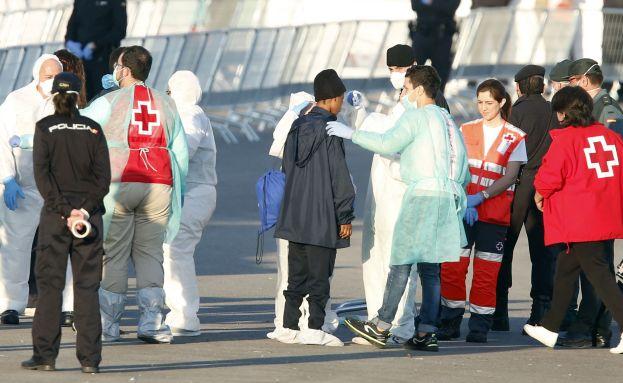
(144, 115)
(602, 158)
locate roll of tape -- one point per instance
(87, 228)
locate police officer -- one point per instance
(95, 29)
(532, 114)
(432, 33)
(72, 172)
(591, 326)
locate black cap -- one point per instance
(584, 66)
(328, 85)
(66, 82)
(400, 55)
(529, 71)
(560, 71)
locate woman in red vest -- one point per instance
(579, 191)
(496, 150)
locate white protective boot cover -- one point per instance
(112, 306)
(151, 327)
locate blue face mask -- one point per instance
(108, 81)
(405, 101)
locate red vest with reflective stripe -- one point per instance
(149, 160)
(486, 168)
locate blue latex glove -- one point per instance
(474, 200)
(354, 98)
(14, 141)
(11, 192)
(87, 52)
(108, 81)
(74, 47)
(471, 216)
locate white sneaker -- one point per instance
(30, 311)
(361, 341)
(319, 337)
(183, 332)
(541, 334)
(285, 335)
(618, 349)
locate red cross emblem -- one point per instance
(509, 137)
(602, 158)
(144, 115)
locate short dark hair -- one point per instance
(576, 104)
(532, 85)
(425, 76)
(114, 56)
(595, 78)
(138, 60)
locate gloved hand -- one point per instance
(74, 47)
(14, 141)
(338, 129)
(474, 200)
(355, 98)
(108, 81)
(11, 192)
(87, 52)
(299, 108)
(471, 216)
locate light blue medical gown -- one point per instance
(433, 164)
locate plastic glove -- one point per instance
(27, 141)
(11, 192)
(14, 141)
(471, 216)
(74, 47)
(355, 99)
(108, 81)
(338, 129)
(87, 52)
(474, 200)
(299, 108)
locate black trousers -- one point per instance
(436, 46)
(525, 213)
(593, 259)
(309, 271)
(592, 317)
(55, 244)
(94, 70)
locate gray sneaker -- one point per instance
(395, 342)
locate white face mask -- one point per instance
(397, 79)
(46, 87)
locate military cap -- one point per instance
(529, 71)
(583, 67)
(560, 71)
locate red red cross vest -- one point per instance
(486, 168)
(149, 160)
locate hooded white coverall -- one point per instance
(19, 113)
(331, 321)
(180, 280)
(381, 209)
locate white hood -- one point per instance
(185, 88)
(37, 66)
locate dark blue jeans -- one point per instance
(431, 295)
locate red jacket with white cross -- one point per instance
(582, 185)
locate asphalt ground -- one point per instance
(237, 312)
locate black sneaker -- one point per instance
(67, 319)
(32, 364)
(368, 331)
(575, 340)
(10, 317)
(476, 337)
(449, 329)
(427, 342)
(601, 341)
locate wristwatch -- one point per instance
(485, 194)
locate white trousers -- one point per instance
(180, 279)
(331, 321)
(17, 231)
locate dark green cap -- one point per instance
(529, 71)
(560, 71)
(584, 66)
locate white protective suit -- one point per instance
(180, 280)
(331, 321)
(381, 210)
(19, 113)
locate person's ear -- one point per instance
(560, 116)
(502, 103)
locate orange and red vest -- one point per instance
(486, 168)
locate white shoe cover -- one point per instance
(319, 337)
(618, 349)
(285, 335)
(541, 334)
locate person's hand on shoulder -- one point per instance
(338, 129)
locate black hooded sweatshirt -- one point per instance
(319, 193)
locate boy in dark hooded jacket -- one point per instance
(316, 212)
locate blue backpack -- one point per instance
(269, 189)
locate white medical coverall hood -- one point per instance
(180, 280)
(19, 113)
